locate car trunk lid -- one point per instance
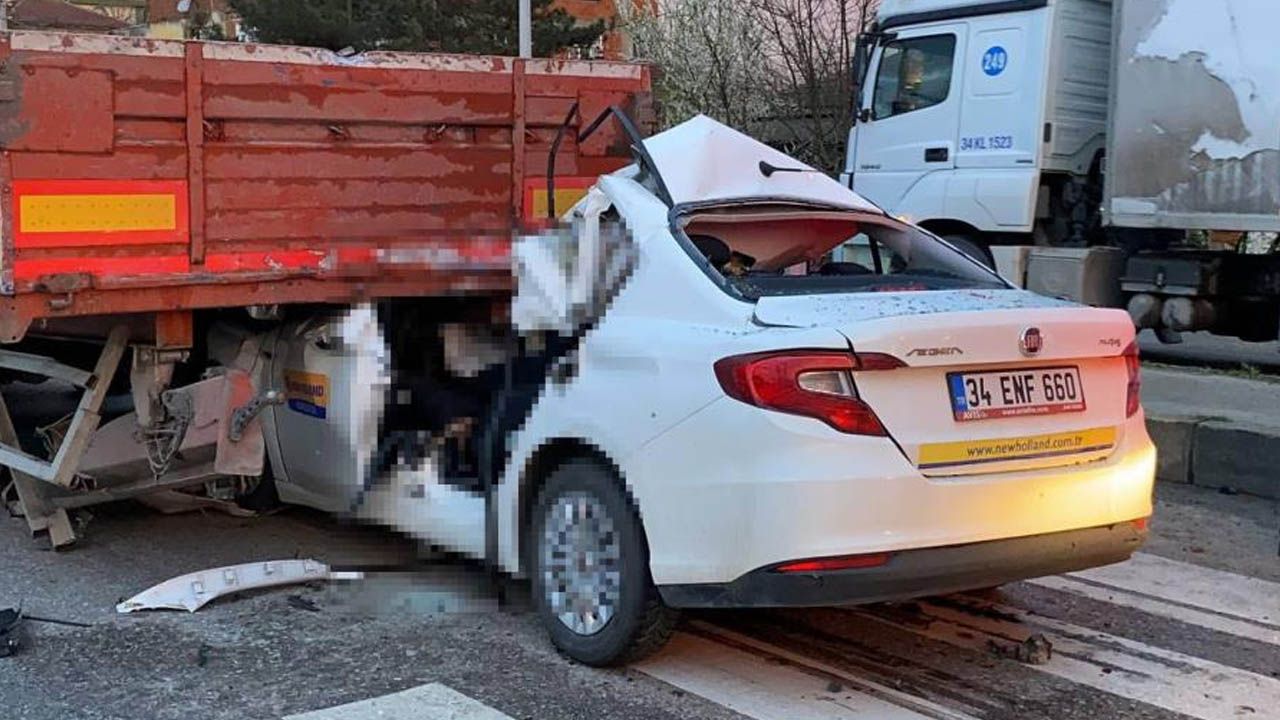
(990, 381)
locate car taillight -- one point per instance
(1133, 399)
(812, 383)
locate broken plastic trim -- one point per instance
(193, 591)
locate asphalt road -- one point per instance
(1191, 628)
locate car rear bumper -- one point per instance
(921, 572)
(735, 489)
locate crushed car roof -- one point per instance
(702, 160)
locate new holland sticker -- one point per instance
(307, 393)
(1034, 447)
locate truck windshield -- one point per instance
(759, 252)
(914, 74)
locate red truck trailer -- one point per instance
(146, 185)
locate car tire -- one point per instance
(974, 249)
(581, 508)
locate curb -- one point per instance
(1217, 453)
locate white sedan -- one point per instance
(761, 390)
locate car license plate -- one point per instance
(1015, 393)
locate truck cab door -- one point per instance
(910, 116)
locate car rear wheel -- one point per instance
(590, 568)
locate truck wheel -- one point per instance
(590, 570)
(974, 249)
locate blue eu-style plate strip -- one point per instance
(959, 402)
(306, 408)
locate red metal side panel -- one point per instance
(52, 96)
(289, 163)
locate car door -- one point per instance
(910, 117)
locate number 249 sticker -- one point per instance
(995, 60)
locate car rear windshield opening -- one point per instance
(766, 251)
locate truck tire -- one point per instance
(590, 570)
(973, 248)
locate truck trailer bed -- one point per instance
(145, 177)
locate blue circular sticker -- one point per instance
(994, 61)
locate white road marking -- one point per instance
(425, 702)
(1215, 590)
(1170, 680)
(750, 684)
(1174, 611)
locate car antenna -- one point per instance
(768, 170)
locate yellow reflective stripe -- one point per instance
(97, 213)
(1017, 448)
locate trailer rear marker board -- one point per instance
(76, 213)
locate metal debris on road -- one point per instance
(1035, 650)
(193, 591)
(11, 620)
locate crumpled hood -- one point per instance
(702, 160)
(841, 309)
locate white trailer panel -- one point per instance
(1195, 120)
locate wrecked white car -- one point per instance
(732, 382)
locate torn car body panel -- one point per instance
(702, 161)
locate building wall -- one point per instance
(168, 30)
(613, 45)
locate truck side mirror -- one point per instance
(864, 115)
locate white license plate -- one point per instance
(1014, 393)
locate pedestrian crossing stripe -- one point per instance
(432, 701)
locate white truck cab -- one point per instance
(975, 115)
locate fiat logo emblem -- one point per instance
(1031, 342)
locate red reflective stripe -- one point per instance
(358, 255)
(98, 187)
(265, 261)
(29, 270)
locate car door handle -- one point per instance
(937, 154)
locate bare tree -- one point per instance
(809, 45)
(778, 69)
(707, 57)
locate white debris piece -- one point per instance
(193, 591)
